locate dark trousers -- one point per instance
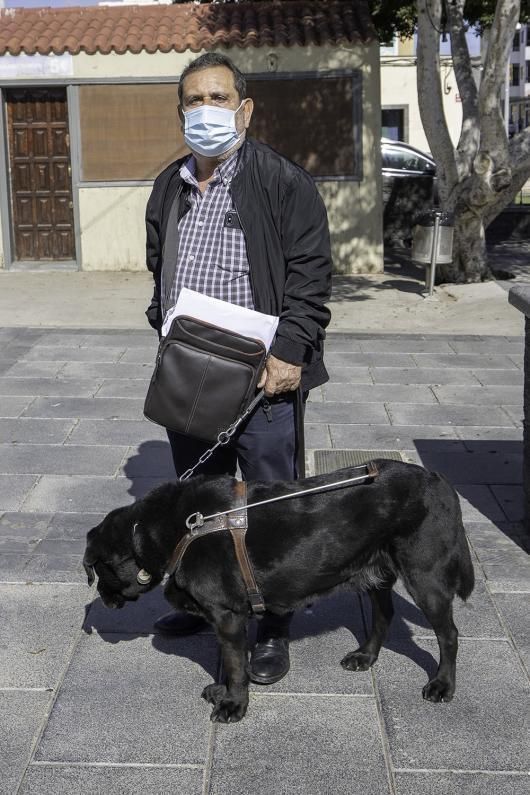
(265, 447)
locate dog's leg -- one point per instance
(230, 700)
(382, 611)
(438, 610)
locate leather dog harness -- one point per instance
(235, 520)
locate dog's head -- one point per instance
(112, 552)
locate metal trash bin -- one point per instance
(432, 242)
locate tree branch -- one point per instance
(501, 33)
(430, 98)
(469, 140)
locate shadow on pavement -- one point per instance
(488, 475)
(136, 619)
(150, 466)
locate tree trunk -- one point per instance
(469, 252)
(481, 173)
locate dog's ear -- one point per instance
(88, 565)
(146, 550)
(90, 557)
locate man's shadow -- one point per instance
(149, 466)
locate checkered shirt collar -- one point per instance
(223, 172)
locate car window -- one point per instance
(405, 160)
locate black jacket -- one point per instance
(287, 237)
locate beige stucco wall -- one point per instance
(398, 88)
(2, 257)
(111, 218)
(113, 228)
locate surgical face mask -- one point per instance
(211, 131)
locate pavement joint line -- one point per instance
(31, 402)
(481, 638)
(463, 771)
(42, 582)
(509, 635)
(47, 713)
(20, 508)
(70, 432)
(26, 689)
(208, 764)
(45, 763)
(311, 694)
(385, 742)
(121, 464)
(503, 408)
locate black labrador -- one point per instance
(403, 522)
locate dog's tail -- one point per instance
(466, 573)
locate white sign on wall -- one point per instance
(24, 66)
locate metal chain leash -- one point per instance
(223, 437)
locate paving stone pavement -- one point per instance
(93, 701)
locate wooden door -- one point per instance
(41, 186)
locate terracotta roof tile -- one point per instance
(181, 27)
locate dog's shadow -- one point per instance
(136, 619)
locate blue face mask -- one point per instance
(211, 131)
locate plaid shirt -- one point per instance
(212, 258)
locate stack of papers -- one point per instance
(232, 317)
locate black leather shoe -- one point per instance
(269, 661)
(177, 623)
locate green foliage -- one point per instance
(393, 17)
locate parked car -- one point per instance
(409, 188)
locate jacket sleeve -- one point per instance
(153, 261)
(308, 263)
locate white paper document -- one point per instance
(232, 317)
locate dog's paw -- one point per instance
(226, 709)
(358, 661)
(437, 690)
(213, 693)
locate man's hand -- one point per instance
(279, 377)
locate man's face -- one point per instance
(215, 86)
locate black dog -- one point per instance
(404, 522)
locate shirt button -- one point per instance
(201, 223)
(191, 258)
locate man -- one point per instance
(237, 221)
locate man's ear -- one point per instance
(180, 113)
(247, 111)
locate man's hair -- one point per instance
(208, 60)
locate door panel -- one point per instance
(41, 186)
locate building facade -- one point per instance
(89, 118)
